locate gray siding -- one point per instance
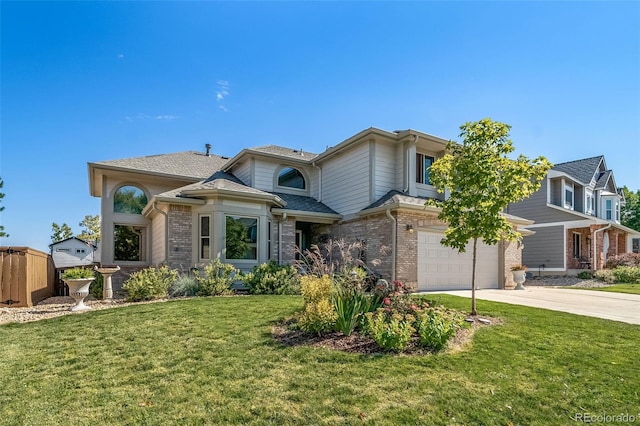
(384, 169)
(345, 180)
(535, 208)
(545, 247)
(243, 172)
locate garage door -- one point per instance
(443, 268)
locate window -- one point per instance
(568, 196)
(63, 249)
(79, 251)
(129, 243)
(617, 211)
(423, 164)
(205, 237)
(635, 245)
(291, 178)
(576, 246)
(590, 205)
(129, 199)
(241, 238)
(608, 211)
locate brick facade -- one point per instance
(179, 239)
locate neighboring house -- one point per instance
(72, 252)
(577, 219)
(187, 208)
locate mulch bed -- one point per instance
(286, 334)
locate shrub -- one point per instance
(150, 283)
(350, 309)
(390, 332)
(271, 278)
(186, 285)
(96, 287)
(77, 273)
(605, 275)
(437, 325)
(626, 274)
(217, 279)
(318, 315)
(626, 259)
(585, 275)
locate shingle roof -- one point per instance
(303, 203)
(219, 180)
(393, 197)
(583, 170)
(603, 179)
(282, 151)
(190, 164)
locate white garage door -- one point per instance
(443, 268)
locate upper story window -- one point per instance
(568, 196)
(291, 178)
(608, 209)
(590, 206)
(423, 164)
(129, 199)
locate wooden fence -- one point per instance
(27, 276)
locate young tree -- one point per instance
(482, 181)
(2, 233)
(91, 231)
(630, 212)
(59, 233)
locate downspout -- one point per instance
(595, 245)
(282, 219)
(166, 231)
(393, 244)
(319, 181)
(406, 188)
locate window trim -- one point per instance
(305, 180)
(256, 244)
(202, 237)
(420, 169)
(569, 188)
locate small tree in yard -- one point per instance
(482, 182)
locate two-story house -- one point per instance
(187, 208)
(577, 219)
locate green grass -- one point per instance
(616, 288)
(213, 361)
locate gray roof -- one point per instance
(282, 151)
(393, 197)
(583, 170)
(303, 203)
(189, 164)
(603, 179)
(219, 180)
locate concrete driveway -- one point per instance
(600, 304)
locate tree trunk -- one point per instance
(473, 279)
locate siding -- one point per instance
(400, 167)
(545, 247)
(158, 239)
(384, 179)
(243, 172)
(535, 208)
(345, 180)
(263, 174)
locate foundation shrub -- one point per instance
(627, 274)
(585, 275)
(626, 259)
(318, 315)
(271, 278)
(150, 283)
(217, 278)
(605, 275)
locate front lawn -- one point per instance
(213, 361)
(615, 288)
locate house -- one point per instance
(72, 252)
(577, 219)
(185, 208)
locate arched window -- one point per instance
(291, 178)
(129, 199)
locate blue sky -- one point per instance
(92, 81)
